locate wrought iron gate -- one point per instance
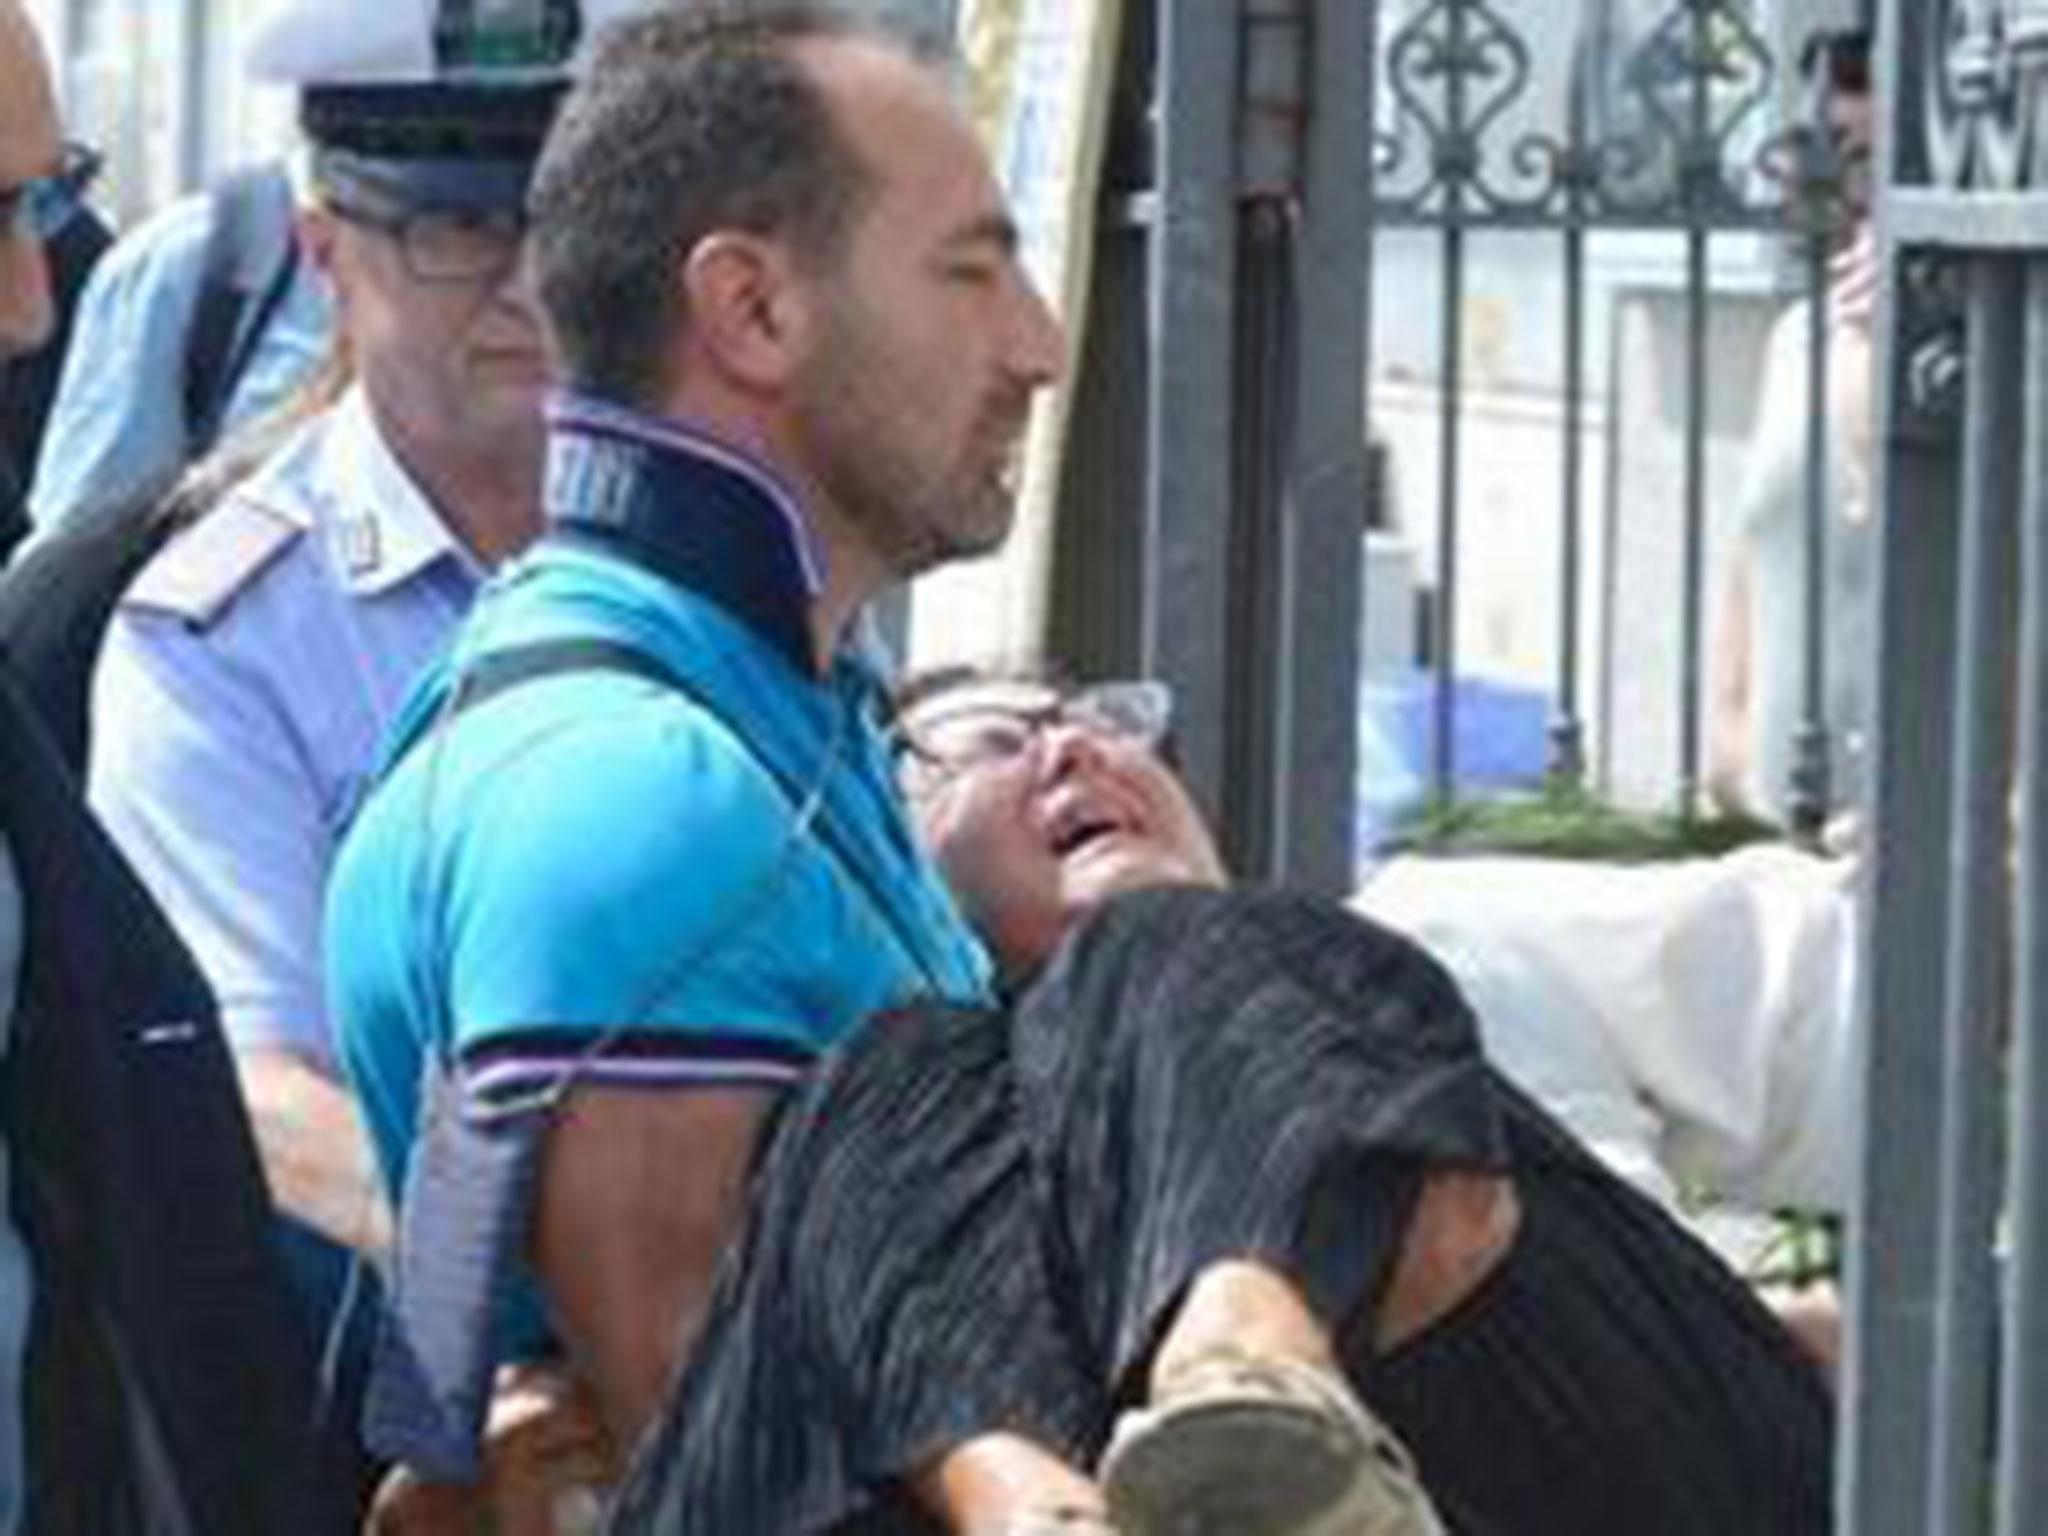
(1222, 390)
(1948, 1368)
(1221, 395)
(1670, 129)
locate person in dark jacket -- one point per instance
(29, 383)
(151, 1375)
(1225, 1203)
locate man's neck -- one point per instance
(850, 581)
(851, 574)
(487, 496)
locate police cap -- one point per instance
(438, 104)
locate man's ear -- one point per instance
(749, 314)
(316, 230)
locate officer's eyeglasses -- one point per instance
(41, 206)
(946, 737)
(445, 247)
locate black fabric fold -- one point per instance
(977, 1221)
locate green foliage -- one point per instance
(1570, 822)
(1805, 1250)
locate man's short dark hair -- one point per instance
(1844, 53)
(684, 123)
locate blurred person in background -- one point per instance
(1758, 704)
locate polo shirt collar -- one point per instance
(692, 507)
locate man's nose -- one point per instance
(26, 310)
(1038, 347)
(518, 284)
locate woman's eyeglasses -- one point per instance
(970, 728)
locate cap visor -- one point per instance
(407, 183)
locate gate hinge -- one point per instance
(1272, 144)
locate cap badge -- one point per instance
(505, 34)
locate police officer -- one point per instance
(251, 668)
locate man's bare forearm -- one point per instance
(315, 1151)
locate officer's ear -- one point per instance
(316, 229)
(748, 313)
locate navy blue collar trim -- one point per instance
(705, 523)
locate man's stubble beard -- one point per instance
(912, 517)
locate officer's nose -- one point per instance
(26, 310)
(519, 283)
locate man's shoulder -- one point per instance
(249, 536)
(609, 743)
(207, 566)
(167, 246)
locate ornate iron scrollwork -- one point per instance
(1455, 69)
(1930, 359)
(1657, 127)
(1986, 87)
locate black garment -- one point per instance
(28, 384)
(57, 600)
(14, 521)
(966, 1223)
(168, 1387)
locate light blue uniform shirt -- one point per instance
(117, 425)
(246, 681)
(15, 1284)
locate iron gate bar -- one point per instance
(1457, 157)
(1318, 777)
(1887, 1379)
(1274, 53)
(1809, 796)
(1443, 747)
(1694, 170)
(1979, 912)
(1762, 220)
(1991, 221)
(1692, 578)
(1578, 172)
(2023, 1471)
(1883, 1467)
(1261, 454)
(1192, 281)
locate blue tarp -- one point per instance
(1501, 735)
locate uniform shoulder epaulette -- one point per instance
(199, 574)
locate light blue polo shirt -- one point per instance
(597, 873)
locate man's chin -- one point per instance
(951, 545)
(982, 523)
